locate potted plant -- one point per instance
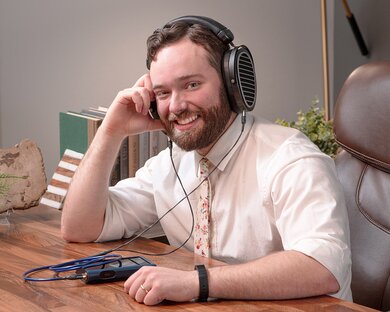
(313, 124)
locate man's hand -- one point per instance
(281, 275)
(128, 113)
(85, 204)
(160, 284)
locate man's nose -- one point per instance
(177, 103)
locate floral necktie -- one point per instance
(202, 221)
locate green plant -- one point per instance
(315, 127)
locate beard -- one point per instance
(215, 120)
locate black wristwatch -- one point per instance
(203, 283)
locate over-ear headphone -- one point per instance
(238, 69)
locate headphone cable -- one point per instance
(170, 145)
(105, 257)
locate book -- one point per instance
(143, 148)
(77, 131)
(133, 157)
(102, 108)
(162, 141)
(94, 112)
(154, 140)
(121, 167)
(124, 159)
(157, 142)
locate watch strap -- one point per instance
(203, 283)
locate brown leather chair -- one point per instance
(362, 128)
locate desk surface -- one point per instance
(32, 239)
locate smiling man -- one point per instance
(190, 93)
(273, 205)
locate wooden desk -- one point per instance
(33, 239)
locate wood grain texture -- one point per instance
(33, 239)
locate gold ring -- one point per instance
(144, 288)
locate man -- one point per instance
(277, 214)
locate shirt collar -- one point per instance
(221, 149)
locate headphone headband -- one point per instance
(237, 68)
(223, 33)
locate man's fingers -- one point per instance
(145, 82)
(139, 97)
(141, 81)
(141, 102)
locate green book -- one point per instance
(77, 131)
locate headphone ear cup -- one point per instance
(240, 78)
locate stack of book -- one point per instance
(77, 130)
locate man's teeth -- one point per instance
(186, 120)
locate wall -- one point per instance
(374, 23)
(67, 55)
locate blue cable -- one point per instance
(73, 265)
(104, 257)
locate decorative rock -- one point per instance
(22, 176)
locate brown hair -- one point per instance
(198, 34)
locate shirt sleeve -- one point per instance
(311, 215)
(130, 208)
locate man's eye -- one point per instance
(161, 94)
(193, 85)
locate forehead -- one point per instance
(182, 58)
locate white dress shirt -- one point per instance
(275, 190)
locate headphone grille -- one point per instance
(247, 79)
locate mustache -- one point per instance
(182, 115)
